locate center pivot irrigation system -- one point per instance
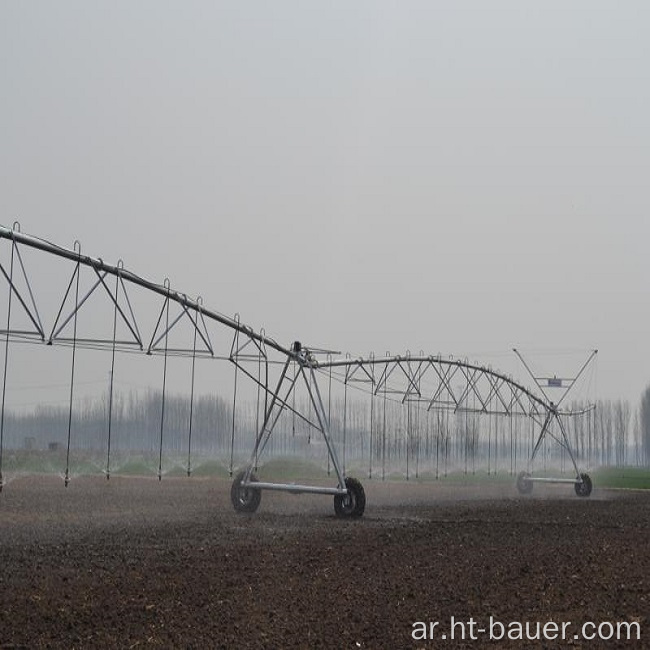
(428, 383)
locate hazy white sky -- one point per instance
(455, 177)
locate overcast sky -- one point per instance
(454, 177)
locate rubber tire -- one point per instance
(244, 499)
(584, 489)
(524, 484)
(353, 503)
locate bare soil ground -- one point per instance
(130, 563)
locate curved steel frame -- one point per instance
(433, 382)
(426, 380)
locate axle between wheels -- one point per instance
(246, 495)
(582, 483)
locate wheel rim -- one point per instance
(244, 496)
(524, 484)
(584, 489)
(349, 502)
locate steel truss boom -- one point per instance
(164, 290)
(428, 382)
(440, 382)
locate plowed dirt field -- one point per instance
(135, 563)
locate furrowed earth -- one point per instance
(134, 562)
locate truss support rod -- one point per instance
(329, 414)
(234, 406)
(6, 360)
(586, 363)
(372, 427)
(345, 421)
(573, 380)
(74, 351)
(282, 402)
(563, 440)
(267, 418)
(278, 404)
(164, 291)
(110, 393)
(323, 421)
(9, 278)
(540, 438)
(78, 306)
(567, 445)
(531, 373)
(189, 433)
(164, 390)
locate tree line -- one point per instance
(135, 424)
(379, 434)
